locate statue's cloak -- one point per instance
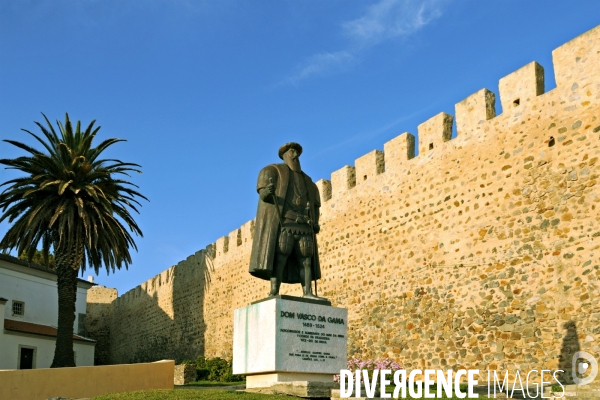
(266, 226)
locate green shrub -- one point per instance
(202, 374)
(216, 369)
(557, 388)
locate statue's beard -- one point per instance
(294, 164)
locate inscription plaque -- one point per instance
(283, 335)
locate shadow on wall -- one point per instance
(570, 346)
(164, 317)
(98, 327)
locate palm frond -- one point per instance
(70, 199)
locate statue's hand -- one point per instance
(316, 228)
(270, 188)
(267, 192)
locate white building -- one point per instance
(29, 316)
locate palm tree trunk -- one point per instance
(64, 355)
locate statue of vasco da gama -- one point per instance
(285, 248)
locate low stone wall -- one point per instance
(185, 373)
(84, 382)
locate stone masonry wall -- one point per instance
(98, 317)
(482, 252)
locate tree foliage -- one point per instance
(38, 258)
(72, 201)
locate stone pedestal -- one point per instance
(292, 345)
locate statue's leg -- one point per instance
(277, 277)
(306, 279)
(306, 276)
(305, 250)
(285, 245)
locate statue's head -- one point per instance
(289, 153)
(291, 145)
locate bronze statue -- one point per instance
(287, 221)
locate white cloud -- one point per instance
(384, 20)
(320, 64)
(392, 18)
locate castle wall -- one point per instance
(482, 251)
(99, 309)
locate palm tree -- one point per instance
(72, 202)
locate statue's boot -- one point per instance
(274, 287)
(311, 296)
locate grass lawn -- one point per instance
(216, 394)
(182, 394)
(213, 383)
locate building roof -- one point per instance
(37, 329)
(32, 265)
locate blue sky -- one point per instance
(205, 92)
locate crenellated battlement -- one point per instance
(236, 238)
(342, 180)
(399, 151)
(368, 166)
(166, 277)
(222, 246)
(472, 112)
(522, 86)
(324, 187)
(575, 60)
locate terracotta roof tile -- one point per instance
(36, 329)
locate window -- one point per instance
(18, 308)
(516, 102)
(81, 324)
